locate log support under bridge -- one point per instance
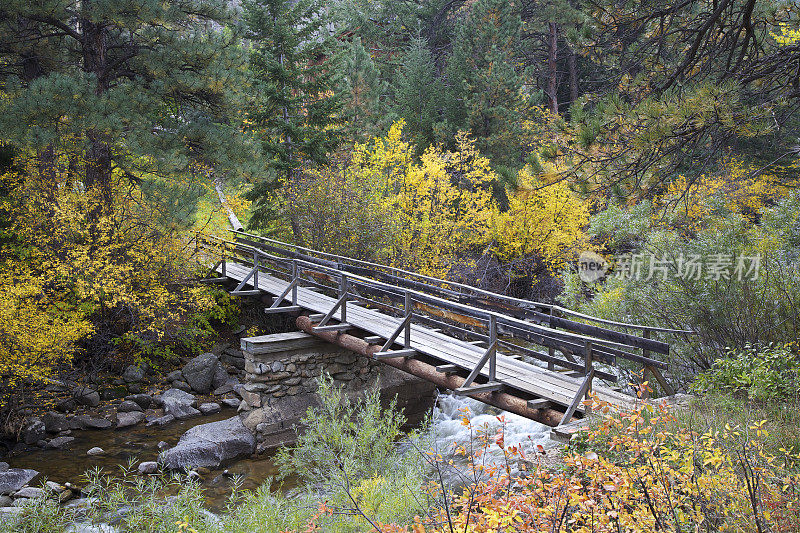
(513, 404)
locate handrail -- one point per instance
(510, 299)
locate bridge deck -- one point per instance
(512, 373)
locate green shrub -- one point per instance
(762, 374)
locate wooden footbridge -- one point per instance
(489, 345)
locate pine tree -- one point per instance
(296, 106)
(363, 92)
(120, 89)
(417, 90)
(485, 91)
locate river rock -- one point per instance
(231, 402)
(87, 422)
(87, 396)
(177, 394)
(133, 374)
(95, 451)
(6, 501)
(142, 400)
(129, 419)
(29, 492)
(55, 422)
(203, 371)
(182, 385)
(128, 406)
(52, 486)
(33, 431)
(67, 405)
(175, 375)
(210, 408)
(14, 479)
(180, 410)
(160, 420)
(3, 467)
(148, 467)
(210, 445)
(58, 443)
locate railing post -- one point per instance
(256, 263)
(552, 352)
(492, 347)
(343, 292)
(409, 309)
(588, 369)
(295, 280)
(646, 353)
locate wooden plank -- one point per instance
(539, 403)
(474, 389)
(284, 309)
(447, 369)
(395, 353)
(278, 342)
(245, 293)
(373, 339)
(213, 280)
(335, 327)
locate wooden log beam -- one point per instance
(415, 367)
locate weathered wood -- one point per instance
(492, 386)
(395, 353)
(245, 293)
(447, 369)
(539, 403)
(277, 342)
(283, 309)
(344, 326)
(213, 280)
(579, 397)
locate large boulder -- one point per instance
(129, 419)
(33, 431)
(178, 409)
(177, 394)
(55, 422)
(142, 400)
(210, 445)
(204, 373)
(14, 479)
(86, 396)
(133, 374)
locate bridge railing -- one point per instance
(441, 305)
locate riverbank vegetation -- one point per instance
(639, 471)
(486, 142)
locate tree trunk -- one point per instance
(552, 73)
(98, 154)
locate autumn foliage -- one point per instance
(434, 212)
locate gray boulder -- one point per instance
(204, 373)
(14, 479)
(180, 410)
(133, 374)
(210, 408)
(125, 420)
(142, 400)
(128, 406)
(33, 431)
(55, 422)
(160, 421)
(175, 375)
(59, 442)
(182, 385)
(210, 445)
(30, 492)
(148, 467)
(87, 422)
(232, 402)
(177, 394)
(86, 396)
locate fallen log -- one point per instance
(502, 400)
